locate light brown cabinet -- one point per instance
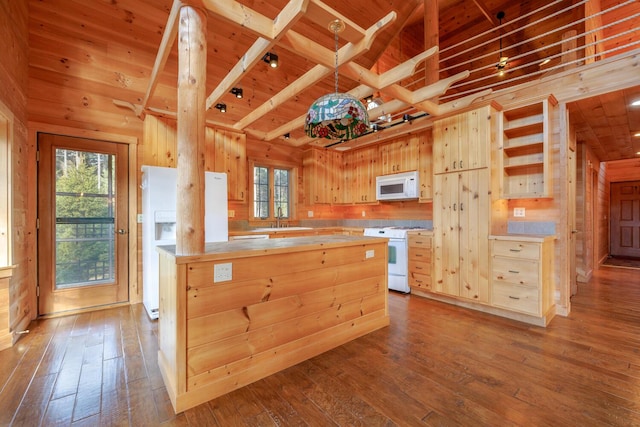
(399, 156)
(323, 178)
(231, 158)
(462, 203)
(461, 224)
(315, 176)
(462, 142)
(522, 275)
(420, 260)
(360, 171)
(425, 166)
(526, 151)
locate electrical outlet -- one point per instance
(518, 212)
(222, 272)
(232, 213)
(369, 254)
(139, 218)
(310, 214)
(364, 213)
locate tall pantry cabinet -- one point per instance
(462, 203)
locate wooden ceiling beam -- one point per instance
(322, 15)
(486, 12)
(241, 15)
(168, 39)
(282, 24)
(308, 48)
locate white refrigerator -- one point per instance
(159, 186)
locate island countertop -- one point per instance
(259, 247)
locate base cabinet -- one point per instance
(420, 260)
(522, 275)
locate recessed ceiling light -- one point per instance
(636, 103)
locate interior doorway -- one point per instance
(625, 219)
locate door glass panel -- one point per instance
(84, 209)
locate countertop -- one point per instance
(258, 247)
(522, 237)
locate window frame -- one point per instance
(6, 199)
(293, 179)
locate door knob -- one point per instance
(121, 231)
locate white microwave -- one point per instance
(399, 186)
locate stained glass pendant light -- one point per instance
(336, 115)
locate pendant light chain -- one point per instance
(335, 73)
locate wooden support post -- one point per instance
(192, 65)
(431, 38)
(569, 53)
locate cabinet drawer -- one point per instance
(420, 241)
(518, 298)
(420, 255)
(420, 267)
(515, 271)
(516, 249)
(420, 281)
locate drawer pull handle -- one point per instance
(514, 272)
(514, 297)
(515, 250)
(418, 268)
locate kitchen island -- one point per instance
(245, 309)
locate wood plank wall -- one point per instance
(14, 36)
(587, 212)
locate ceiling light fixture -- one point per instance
(406, 118)
(271, 59)
(287, 135)
(237, 92)
(637, 135)
(336, 115)
(502, 61)
(222, 107)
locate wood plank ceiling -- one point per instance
(85, 55)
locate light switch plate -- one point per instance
(518, 212)
(222, 272)
(369, 254)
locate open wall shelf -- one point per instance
(526, 157)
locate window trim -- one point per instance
(6, 188)
(293, 188)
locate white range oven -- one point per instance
(398, 259)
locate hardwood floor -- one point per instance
(435, 365)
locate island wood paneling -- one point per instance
(283, 302)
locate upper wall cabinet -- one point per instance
(399, 156)
(463, 141)
(230, 157)
(526, 150)
(323, 178)
(425, 166)
(359, 177)
(224, 152)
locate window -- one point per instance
(271, 192)
(5, 186)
